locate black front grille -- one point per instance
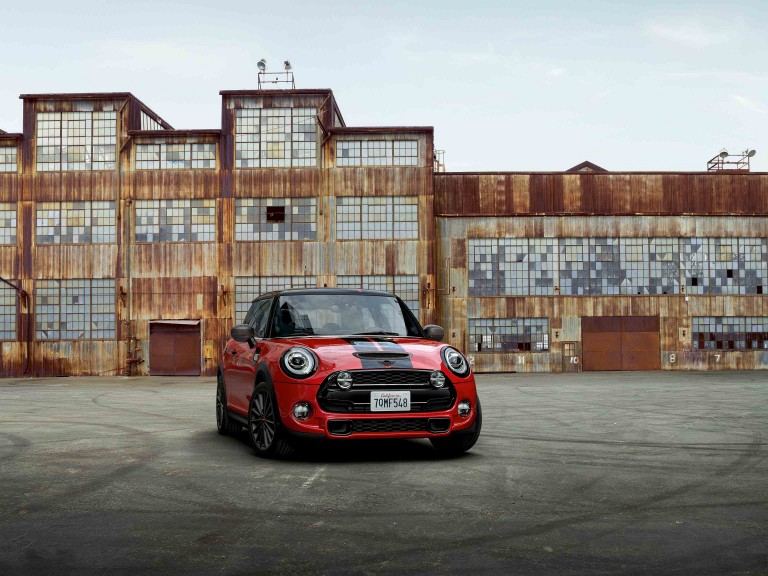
(389, 425)
(390, 377)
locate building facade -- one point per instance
(128, 247)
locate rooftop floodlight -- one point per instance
(262, 64)
(724, 154)
(751, 153)
(287, 65)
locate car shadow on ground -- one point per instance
(342, 451)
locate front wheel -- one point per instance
(267, 434)
(459, 442)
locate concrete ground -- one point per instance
(609, 473)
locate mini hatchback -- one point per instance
(343, 364)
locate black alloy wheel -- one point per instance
(264, 426)
(224, 424)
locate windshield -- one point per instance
(341, 314)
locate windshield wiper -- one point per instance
(377, 333)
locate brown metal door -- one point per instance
(174, 348)
(621, 343)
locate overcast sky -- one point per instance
(507, 85)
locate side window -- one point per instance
(251, 313)
(262, 314)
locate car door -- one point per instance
(243, 358)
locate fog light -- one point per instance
(464, 408)
(437, 379)
(301, 411)
(344, 380)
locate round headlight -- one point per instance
(455, 361)
(437, 379)
(344, 380)
(299, 362)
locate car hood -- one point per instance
(374, 352)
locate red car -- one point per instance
(337, 363)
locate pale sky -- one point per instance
(520, 86)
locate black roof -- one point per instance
(304, 291)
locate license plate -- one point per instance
(390, 401)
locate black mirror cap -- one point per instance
(434, 332)
(242, 332)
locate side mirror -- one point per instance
(242, 332)
(434, 332)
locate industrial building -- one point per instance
(129, 247)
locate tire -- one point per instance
(224, 424)
(459, 442)
(265, 430)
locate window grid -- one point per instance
(509, 334)
(175, 156)
(8, 300)
(175, 221)
(75, 223)
(251, 221)
(68, 141)
(377, 153)
(8, 223)
(275, 137)
(609, 266)
(248, 288)
(377, 218)
(149, 123)
(82, 309)
(406, 286)
(8, 159)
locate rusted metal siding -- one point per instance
(511, 194)
(565, 313)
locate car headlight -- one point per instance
(455, 361)
(299, 363)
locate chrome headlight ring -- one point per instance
(455, 361)
(299, 362)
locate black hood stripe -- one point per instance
(374, 345)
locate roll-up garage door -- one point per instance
(620, 343)
(174, 348)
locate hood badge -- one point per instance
(386, 363)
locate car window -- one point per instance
(260, 319)
(341, 314)
(257, 315)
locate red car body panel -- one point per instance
(241, 362)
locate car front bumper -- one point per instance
(335, 425)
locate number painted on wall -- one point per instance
(574, 359)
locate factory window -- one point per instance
(753, 276)
(724, 266)
(509, 334)
(8, 159)
(275, 219)
(610, 266)
(8, 299)
(75, 309)
(574, 266)
(377, 218)
(149, 123)
(377, 153)
(406, 286)
(8, 223)
(76, 141)
(633, 264)
(75, 223)
(175, 220)
(248, 288)
(175, 156)
(664, 256)
(730, 333)
(275, 137)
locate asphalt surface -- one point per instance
(611, 473)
